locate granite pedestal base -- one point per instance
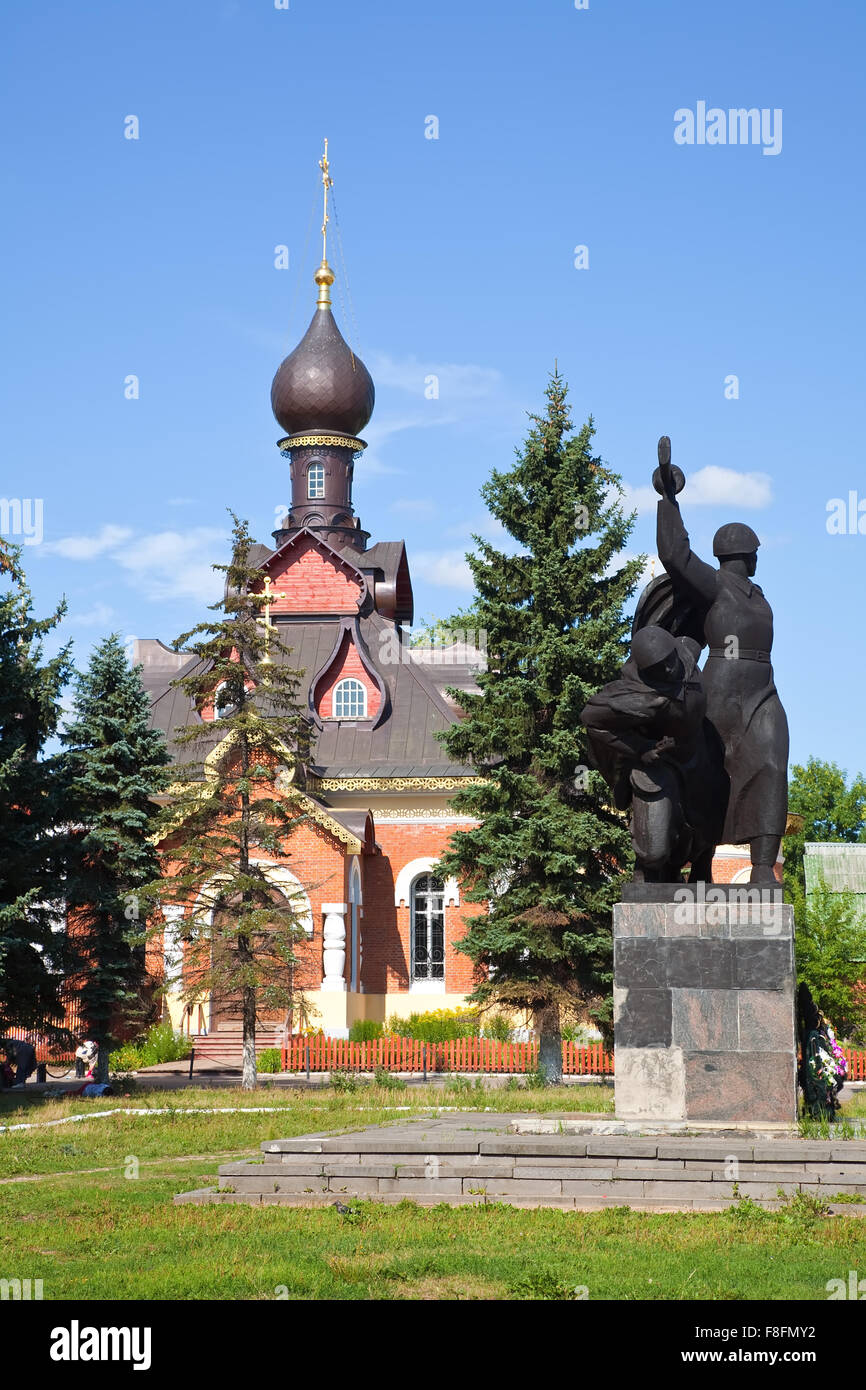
(704, 1005)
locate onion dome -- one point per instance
(322, 386)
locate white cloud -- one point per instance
(457, 381)
(100, 615)
(89, 547)
(709, 487)
(445, 568)
(165, 564)
(175, 564)
(653, 567)
(487, 526)
(414, 506)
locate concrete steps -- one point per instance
(226, 1045)
(438, 1161)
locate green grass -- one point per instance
(124, 1239)
(106, 1142)
(100, 1234)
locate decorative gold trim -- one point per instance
(315, 813)
(328, 441)
(333, 827)
(396, 784)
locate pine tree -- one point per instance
(549, 850)
(235, 796)
(31, 946)
(114, 764)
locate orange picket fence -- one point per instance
(318, 1054)
(856, 1064)
(461, 1055)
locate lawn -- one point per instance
(76, 1220)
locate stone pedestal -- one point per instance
(704, 1004)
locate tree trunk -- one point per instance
(547, 1023)
(249, 1013)
(100, 1071)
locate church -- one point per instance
(382, 925)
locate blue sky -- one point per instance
(155, 258)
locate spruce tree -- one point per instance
(31, 945)
(549, 850)
(235, 798)
(114, 764)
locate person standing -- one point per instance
(743, 704)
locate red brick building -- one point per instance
(382, 924)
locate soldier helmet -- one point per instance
(735, 538)
(651, 646)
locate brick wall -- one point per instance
(319, 863)
(386, 927)
(310, 582)
(347, 664)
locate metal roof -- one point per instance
(842, 866)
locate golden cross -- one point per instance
(327, 182)
(269, 598)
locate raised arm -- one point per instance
(677, 556)
(672, 538)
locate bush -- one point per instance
(388, 1080)
(270, 1060)
(440, 1025)
(580, 1033)
(160, 1044)
(126, 1058)
(497, 1027)
(366, 1030)
(344, 1081)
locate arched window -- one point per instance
(428, 928)
(221, 707)
(316, 480)
(350, 700)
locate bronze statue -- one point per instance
(649, 737)
(724, 609)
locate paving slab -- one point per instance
(410, 1186)
(354, 1172)
(625, 1146)
(518, 1187)
(355, 1186)
(706, 1149)
(564, 1171)
(622, 1191)
(539, 1146)
(799, 1152)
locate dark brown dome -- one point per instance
(322, 385)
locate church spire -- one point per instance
(323, 396)
(324, 276)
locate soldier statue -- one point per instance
(725, 610)
(649, 737)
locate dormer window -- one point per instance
(316, 480)
(350, 700)
(222, 706)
